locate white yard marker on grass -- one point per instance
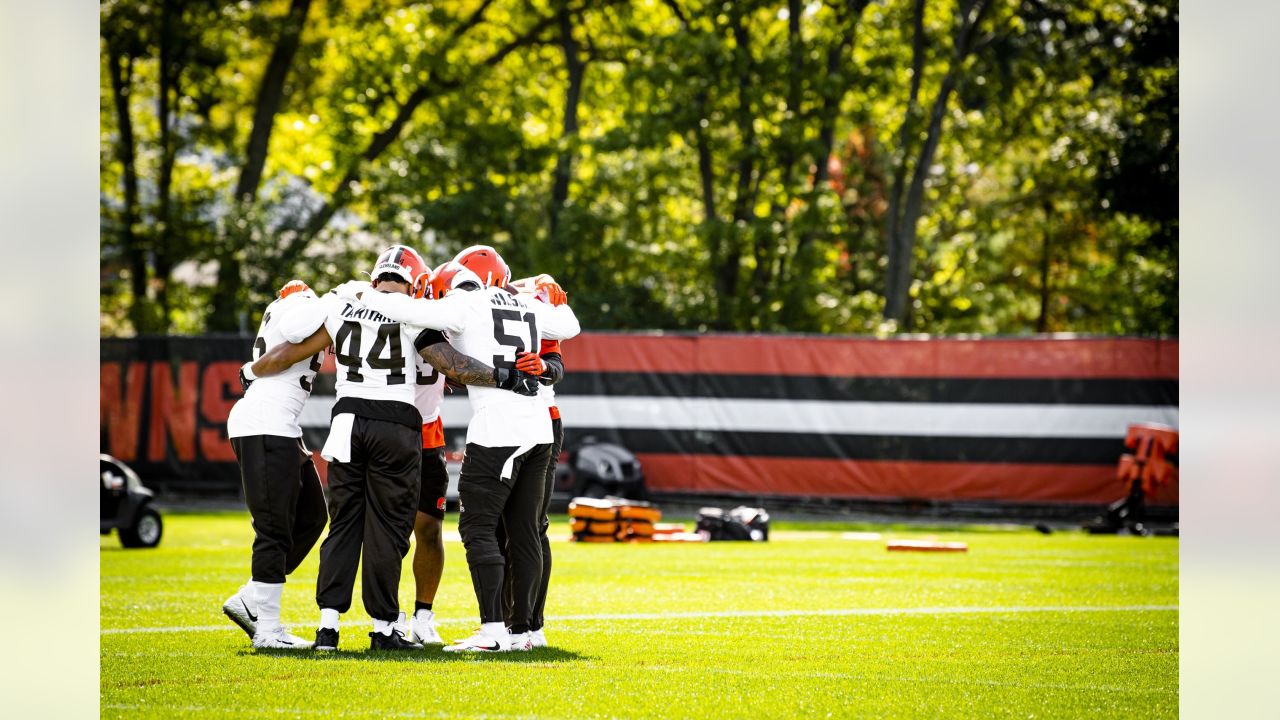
(837, 612)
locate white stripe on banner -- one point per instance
(824, 417)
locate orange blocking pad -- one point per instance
(636, 512)
(926, 546)
(590, 509)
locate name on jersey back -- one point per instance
(364, 313)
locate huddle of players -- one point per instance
(466, 323)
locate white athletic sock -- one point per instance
(423, 614)
(267, 597)
(329, 618)
(382, 626)
(494, 629)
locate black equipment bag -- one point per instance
(740, 523)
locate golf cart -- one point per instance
(126, 506)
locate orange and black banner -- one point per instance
(998, 420)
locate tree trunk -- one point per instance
(432, 87)
(167, 71)
(792, 133)
(569, 136)
(225, 314)
(1046, 262)
(902, 241)
(831, 103)
(897, 186)
(727, 273)
(121, 70)
(270, 96)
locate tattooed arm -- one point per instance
(466, 370)
(459, 368)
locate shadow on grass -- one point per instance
(431, 654)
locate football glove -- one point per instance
(246, 376)
(530, 363)
(518, 382)
(555, 295)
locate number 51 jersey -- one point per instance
(492, 325)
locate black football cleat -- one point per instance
(326, 639)
(394, 641)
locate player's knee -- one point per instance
(427, 529)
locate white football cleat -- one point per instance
(521, 642)
(537, 638)
(243, 610)
(422, 628)
(279, 638)
(484, 640)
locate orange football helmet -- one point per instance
(402, 261)
(451, 276)
(486, 263)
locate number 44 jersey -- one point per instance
(491, 325)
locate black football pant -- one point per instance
(285, 501)
(487, 498)
(372, 501)
(539, 595)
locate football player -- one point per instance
(428, 549)
(548, 365)
(509, 437)
(374, 445)
(280, 483)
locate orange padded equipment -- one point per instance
(592, 509)
(635, 528)
(637, 512)
(1151, 445)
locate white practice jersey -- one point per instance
(271, 405)
(376, 359)
(429, 391)
(492, 325)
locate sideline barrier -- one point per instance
(1026, 420)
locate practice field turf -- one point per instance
(815, 622)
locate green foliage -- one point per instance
(730, 169)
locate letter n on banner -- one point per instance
(173, 411)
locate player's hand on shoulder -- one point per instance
(530, 363)
(351, 289)
(544, 287)
(555, 295)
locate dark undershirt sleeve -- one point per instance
(427, 338)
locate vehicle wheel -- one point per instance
(595, 490)
(146, 531)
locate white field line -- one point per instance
(840, 612)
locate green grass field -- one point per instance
(812, 623)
